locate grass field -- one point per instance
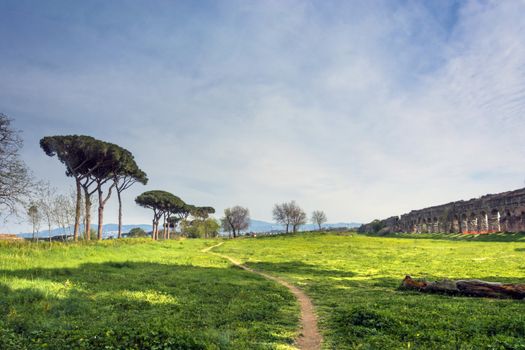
(353, 281)
(137, 294)
(162, 295)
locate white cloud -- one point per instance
(363, 111)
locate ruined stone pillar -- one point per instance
(483, 223)
(464, 223)
(456, 227)
(521, 226)
(494, 221)
(472, 224)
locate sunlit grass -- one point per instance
(142, 294)
(354, 282)
(137, 294)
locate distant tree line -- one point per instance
(289, 214)
(174, 211)
(101, 168)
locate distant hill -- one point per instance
(263, 226)
(111, 230)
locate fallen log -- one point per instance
(474, 288)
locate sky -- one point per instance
(363, 109)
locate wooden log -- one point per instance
(475, 288)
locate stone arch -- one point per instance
(419, 225)
(506, 221)
(472, 224)
(456, 225)
(494, 221)
(430, 225)
(464, 223)
(422, 226)
(435, 224)
(483, 222)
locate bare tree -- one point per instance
(63, 211)
(235, 220)
(226, 226)
(289, 214)
(33, 214)
(318, 218)
(46, 203)
(15, 178)
(280, 215)
(297, 216)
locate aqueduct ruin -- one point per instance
(502, 212)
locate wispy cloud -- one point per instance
(361, 109)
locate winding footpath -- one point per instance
(309, 338)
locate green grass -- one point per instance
(137, 294)
(354, 279)
(169, 295)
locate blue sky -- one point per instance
(363, 109)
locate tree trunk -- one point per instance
(119, 214)
(156, 227)
(100, 213)
(153, 229)
(101, 204)
(49, 230)
(164, 227)
(77, 211)
(87, 226)
(474, 288)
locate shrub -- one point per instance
(137, 232)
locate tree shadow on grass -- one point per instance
(143, 305)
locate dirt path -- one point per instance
(309, 337)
